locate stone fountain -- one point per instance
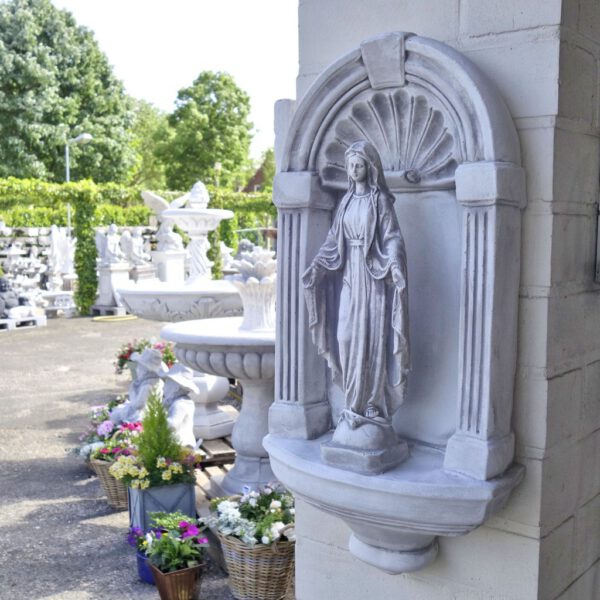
(243, 348)
(198, 296)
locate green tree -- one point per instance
(209, 125)
(268, 169)
(150, 128)
(55, 83)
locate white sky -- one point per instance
(157, 47)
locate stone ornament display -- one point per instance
(450, 156)
(362, 331)
(167, 239)
(132, 247)
(178, 385)
(148, 376)
(13, 306)
(255, 281)
(109, 246)
(192, 214)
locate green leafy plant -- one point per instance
(175, 542)
(85, 250)
(158, 459)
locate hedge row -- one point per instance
(105, 214)
(40, 194)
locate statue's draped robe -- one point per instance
(364, 335)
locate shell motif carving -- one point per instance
(412, 131)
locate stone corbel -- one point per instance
(301, 409)
(491, 195)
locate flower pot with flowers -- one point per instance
(120, 442)
(159, 472)
(123, 357)
(176, 551)
(99, 429)
(256, 535)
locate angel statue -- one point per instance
(357, 298)
(108, 246)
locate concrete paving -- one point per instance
(59, 539)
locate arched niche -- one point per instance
(451, 156)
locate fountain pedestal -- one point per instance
(220, 347)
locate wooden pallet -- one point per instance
(9, 324)
(101, 311)
(217, 452)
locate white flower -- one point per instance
(265, 540)
(276, 528)
(275, 504)
(252, 502)
(149, 540)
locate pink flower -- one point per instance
(104, 450)
(191, 531)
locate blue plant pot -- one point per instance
(144, 571)
(167, 498)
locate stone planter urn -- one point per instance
(167, 498)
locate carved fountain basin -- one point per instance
(162, 301)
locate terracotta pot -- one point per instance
(178, 585)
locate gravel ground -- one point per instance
(59, 539)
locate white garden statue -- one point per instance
(149, 368)
(179, 382)
(362, 331)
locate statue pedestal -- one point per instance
(212, 421)
(142, 272)
(111, 277)
(170, 265)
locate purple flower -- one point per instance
(134, 534)
(191, 531)
(105, 428)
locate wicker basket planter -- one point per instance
(260, 572)
(116, 491)
(167, 498)
(178, 585)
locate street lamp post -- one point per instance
(82, 138)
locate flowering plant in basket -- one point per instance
(158, 458)
(121, 442)
(257, 517)
(123, 356)
(99, 429)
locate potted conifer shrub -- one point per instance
(159, 472)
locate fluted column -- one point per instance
(301, 409)
(491, 196)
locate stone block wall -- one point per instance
(544, 57)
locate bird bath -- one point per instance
(243, 348)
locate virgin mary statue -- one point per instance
(357, 298)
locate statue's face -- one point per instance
(4, 285)
(357, 169)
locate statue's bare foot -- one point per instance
(371, 412)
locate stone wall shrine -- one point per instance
(404, 431)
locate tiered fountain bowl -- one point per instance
(243, 348)
(199, 296)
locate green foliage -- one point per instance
(209, 125)
(55, 83)
(33, 192)
(268, 169)
(158, 441)
(105, 214)
(150, 127)
(84, 200)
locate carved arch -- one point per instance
(485, 126)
